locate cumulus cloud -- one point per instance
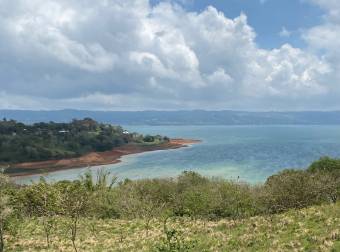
(121, 54)
(326, 35)
(324, 40)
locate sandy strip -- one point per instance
(94, 158)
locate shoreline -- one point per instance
(94, 158)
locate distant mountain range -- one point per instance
(194, 117)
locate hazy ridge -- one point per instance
(187, 117)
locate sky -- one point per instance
(255, 55)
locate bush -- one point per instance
(5, 210)
(200, 197)
(190, 194)
(292, 189)
(326, 164)
(235, 200)
(74, 205)
(145, 198)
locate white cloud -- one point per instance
(324, 40)
(331, 6)
(127, 54)
(285, 33)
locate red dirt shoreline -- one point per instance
(94, 158)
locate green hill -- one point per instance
(48, 141)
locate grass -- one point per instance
(312, 229)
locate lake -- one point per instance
(250, 153)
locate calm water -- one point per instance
(251, 152)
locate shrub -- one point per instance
(328, 172)
(235, 200)
(102, 196)
(43, 200)
(146, 199)
(74, 204)
(196, 201)
(325, 164)
(174, 240)
(291, 189)
(5, 210)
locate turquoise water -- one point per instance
(251, 153)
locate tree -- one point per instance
(149, 139)
(74, 203)
(44, 202)
(5, 210)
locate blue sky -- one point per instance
(170, 54)
(267, 17)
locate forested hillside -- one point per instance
(45, 141)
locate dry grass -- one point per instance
(313, 229)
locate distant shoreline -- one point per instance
(94, 158)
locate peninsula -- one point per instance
(48, 147)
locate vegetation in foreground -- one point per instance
(294, 210)
(311, 229)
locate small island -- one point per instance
(46, 147)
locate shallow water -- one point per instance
(251, 153)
